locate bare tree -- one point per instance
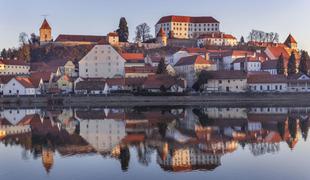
(261, 36)
(23, 38)
(143, 32)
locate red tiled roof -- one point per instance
(90, 85)
(45, 75)
(132, 56)
(217, 36)
(5, 79)
(271, 64)
(26, 82)
(190, 60)
(266, 78)
(156, 81)
(116, 82)
(195, 50)
(188, 19)
(227, 74)
(80, 38)
(45, 25)
(114, 34)
(290, 39)
(17, 62)
(141, 69)
(277, 51)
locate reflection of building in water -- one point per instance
(47, 159)
(226, 113)
(102, 133)
(187, 159)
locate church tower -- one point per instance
(45, 32)
(162, 37)
(291, 42)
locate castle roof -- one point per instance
(80, 38)
(45, 25)
(290, 40)
(188, 19)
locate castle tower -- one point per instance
(162, 37)
(47, 159)
(45, 32)
(291, 42)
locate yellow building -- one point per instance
(45, 32)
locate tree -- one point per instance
(280, 65)
(161, 68)
(24, 53)
(143, 32)
(303, 66)
(34, 39)
(123, 30)
(242, 41)
(292, 66)
(202, 79)
(23, 38)
(261, 36)
(4, 53)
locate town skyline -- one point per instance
(68, 21)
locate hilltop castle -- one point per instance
(75, 40)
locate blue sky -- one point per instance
(99, 17)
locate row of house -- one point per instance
(240, 81)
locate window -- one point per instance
(220, 81)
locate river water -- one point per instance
(155, 143)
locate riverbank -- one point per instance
(287, 99)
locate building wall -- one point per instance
(251, 66)
(45, 35)
(13, 87)
(13, 69)
(271, 71)
(103, 134)
(185, 30)
(268, 87)
(103, 61)
(217, 42)
(226, 85)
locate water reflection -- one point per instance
(182, 139)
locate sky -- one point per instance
(98, 17)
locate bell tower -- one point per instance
(45, 32)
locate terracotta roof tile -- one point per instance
(80, 38)
(290, 39)
(45, 25)
(266, 78)
(190, 60)
(188, 19)
(227, 74)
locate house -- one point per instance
(270, 66)
(153, 60)
(140, 71)
(3, 81)
(189, 67)
(103, 61)
(216, 39)
(186, 27)
(134, 59)
(69, 69)
(247, 64)
(116, 84)
(299, 83)
(226, 81)
(42, 80)
(164, 83)
(265, 82)
(231, 56)
(91, 87)
(65, 84)
(13, 67)
(20, 86)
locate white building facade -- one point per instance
(103, 61)
(185, 27)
